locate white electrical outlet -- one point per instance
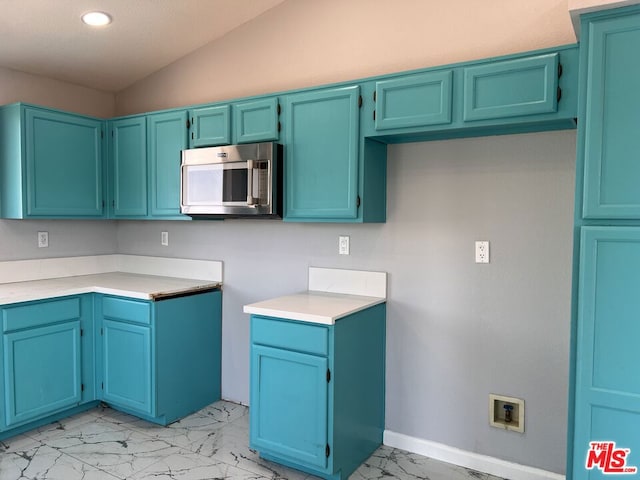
(343, 245)
(164, 239)
(43, 239)
(482, 251)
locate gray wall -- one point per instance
(67, 238)
(457, 331)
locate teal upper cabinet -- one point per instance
(321, 157)
(511, 88)
(50, 164)
(611, 116)
(145, 154)
(518, 93)
(128, 153)
(166, 138)
(256, 121)
(210, 126)
(413, 101)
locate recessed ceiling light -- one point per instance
(96, 19)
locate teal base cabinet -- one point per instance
(161, 360)
(607, 384)
(50, 164)
(317, 391)
(604, 395)
(44, 352)
(158, 360)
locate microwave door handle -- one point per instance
(250, 199)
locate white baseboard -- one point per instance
(475, 461)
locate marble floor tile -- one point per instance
(185, 465)
(213, 443)
(121, 452)
(38, 461)
(387, 462)
(183, 433)
(224, 411)
(230, 445)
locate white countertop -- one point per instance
(145, 287)
(313, 306)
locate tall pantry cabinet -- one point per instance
(606, 328)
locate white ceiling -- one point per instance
(47, 37)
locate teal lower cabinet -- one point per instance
(317, 391)
(127, 365)
(607, 384)
(42, 359)
(161, 360)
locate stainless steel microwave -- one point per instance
(232, 181)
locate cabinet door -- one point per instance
(210, 126)
(511, 88)
(321, 164)
(127, 366)
(42, 372)
(256, 121)
(611, 119)
(129, 167)
(63, 164)
(167, 137)
(414, 101)
(607, 393)
(288, 415)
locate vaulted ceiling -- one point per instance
(47, 37)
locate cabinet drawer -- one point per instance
(38, 314)
(128, 310)
(524, 86)
(302, 337)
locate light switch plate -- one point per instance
(164, 239)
